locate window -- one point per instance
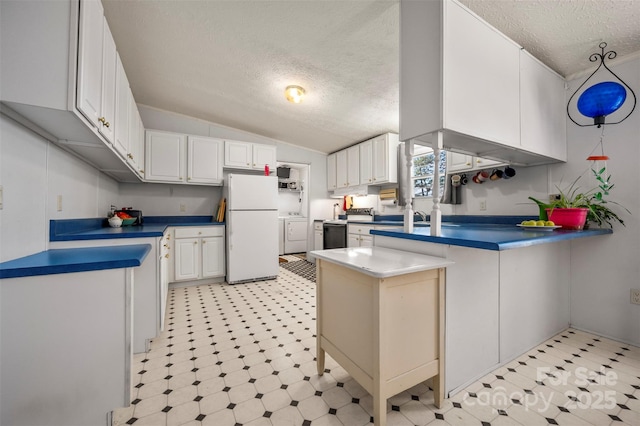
(422, 171)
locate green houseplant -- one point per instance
(594, 201)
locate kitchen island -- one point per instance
(507, 292)
(367, 300)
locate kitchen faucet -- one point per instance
(422, 215)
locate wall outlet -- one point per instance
(635, 296)
(183, 208)
(483, 205)
(554, 197)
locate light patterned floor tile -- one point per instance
(244, 355)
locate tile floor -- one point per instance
(244, 355)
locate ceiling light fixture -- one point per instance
(294, 94)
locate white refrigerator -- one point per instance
(252, 227)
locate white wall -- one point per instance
(33, 172)
(603, 270)
(158, 199)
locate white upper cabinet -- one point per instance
(331, 172)
(353, 166)
(385, 159)
(457, 162)
(342, 180)
(461, 76)
(348, 167)
(61, 76)
(264, 155)
(204, 160)
(542, 106)
(366, 162)
(165, 156)
(481, 79)
(97, 69)
(135, 156)
(123, 115)
(238, 154)
(90, 59)
(178, 158)
(247, 155)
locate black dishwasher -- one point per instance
(334, 235)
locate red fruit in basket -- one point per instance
(123, 215)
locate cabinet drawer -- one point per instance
(360, 229)
(317, 226)
(197, 232)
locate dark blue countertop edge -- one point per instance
(493, 220)
(528, 239)
(64, 261)
(89, 228)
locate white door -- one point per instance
(366, 162)
(187, 261)
(317, 240)
(136, 144)
(164, 156)
(108, 98)
(353, 166)
(252, 192)
(264, 155)
(212, 257)
(252, 245)
(457, 162)
(296, 238)
(89, 97)
(123, 115)
(204, 160)
(380, 159)
(331, 172)
(238, 154)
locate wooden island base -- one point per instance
(384, 326)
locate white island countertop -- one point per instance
(381, 262)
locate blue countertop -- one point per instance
(487, 236)
(98, 228)
(63, 261)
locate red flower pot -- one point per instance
(568, 218)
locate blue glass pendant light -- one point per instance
(603, 98)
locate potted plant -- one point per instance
(574, 209)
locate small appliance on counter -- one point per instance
(137, 214)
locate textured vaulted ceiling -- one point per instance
(229, 61)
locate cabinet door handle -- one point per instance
(166, 245)
(195, 242)
(204, 242)
(102, 120)
(166, 255)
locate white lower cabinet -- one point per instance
(359, 236)
(163, 273)
(318, 233)
(198, 253)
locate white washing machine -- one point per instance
(295, 235)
